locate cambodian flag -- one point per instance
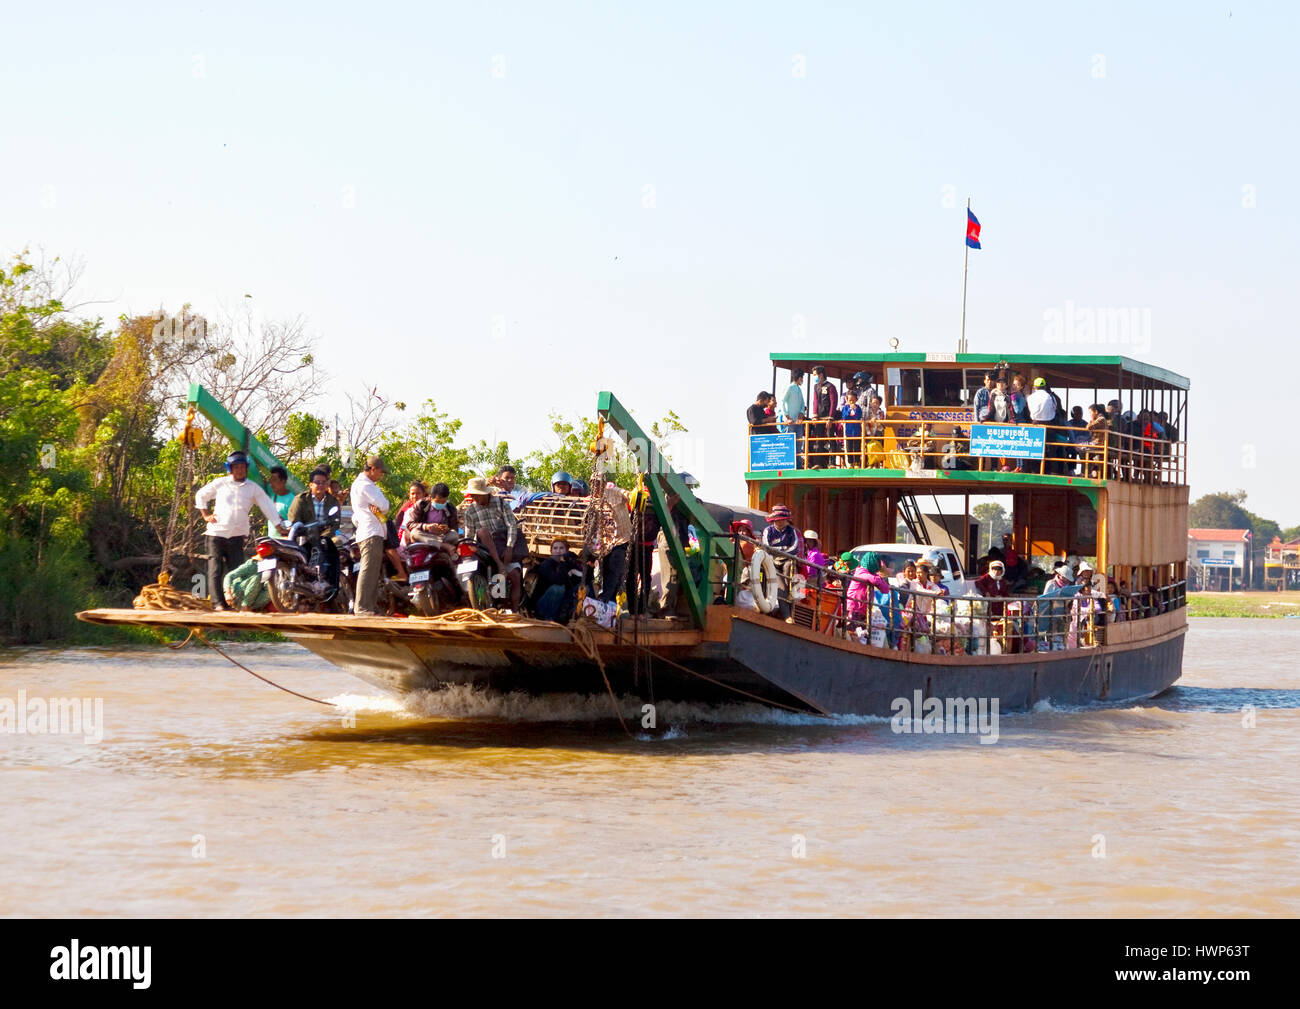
(972, 230)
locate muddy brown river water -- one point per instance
(211, 794)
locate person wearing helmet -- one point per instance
(561, 483)
(813, 553)
(231, 498)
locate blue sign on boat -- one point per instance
(1007, 441)
(771, 451)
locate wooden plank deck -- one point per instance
(650, 631)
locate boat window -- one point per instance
(908, 392)
(943, 387)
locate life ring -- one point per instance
(766, 598)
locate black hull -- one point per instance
(867, 682)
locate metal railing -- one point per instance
(934, 622)
(900, 444)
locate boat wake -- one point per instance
(463, 702)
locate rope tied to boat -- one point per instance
(196, 633)
(581, 632)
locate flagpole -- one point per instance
(961, 345)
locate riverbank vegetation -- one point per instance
(1243, 604)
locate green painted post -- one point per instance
(713, 542)
(224, 421)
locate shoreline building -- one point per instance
(1282, 565)
(1217, 559)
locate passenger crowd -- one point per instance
(1010, 605)
(617, 556)
(844, 428)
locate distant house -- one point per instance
(1282, 564)
(1217, 558)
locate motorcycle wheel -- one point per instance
(343, 598)
(391, 599)
(282, 596)
(479, 596)
(425, 600)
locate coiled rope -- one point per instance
(162, 595)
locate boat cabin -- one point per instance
(1115, 493)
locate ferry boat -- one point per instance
(1116, 500)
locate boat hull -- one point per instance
(739, 657)
(852, 679)
(771, 662)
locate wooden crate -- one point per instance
(546, 519)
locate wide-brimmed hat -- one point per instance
(478, 485)
(1066, 572)
(779, 512)
(1085, 566)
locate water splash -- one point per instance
(465, 702)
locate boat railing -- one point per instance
(932, 621)
(910, 445)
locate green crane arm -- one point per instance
(222, 419)
(713, 541)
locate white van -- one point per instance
(943, 558)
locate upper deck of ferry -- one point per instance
(929, 435)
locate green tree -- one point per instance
(569, 449)
(425, 450)
(301, 433)
(993, 523)
(1223, 510)
(46, 360)
(488, 459)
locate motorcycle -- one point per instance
(484, 585)
(293, 569)
(391, 596)
(431, 581)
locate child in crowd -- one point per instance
(851, 413)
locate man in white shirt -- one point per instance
(1042, 410)
(1042, 407)
(231, 497)
(370, 515)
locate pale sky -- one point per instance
(506, 207)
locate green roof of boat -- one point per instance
(1098, 361)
